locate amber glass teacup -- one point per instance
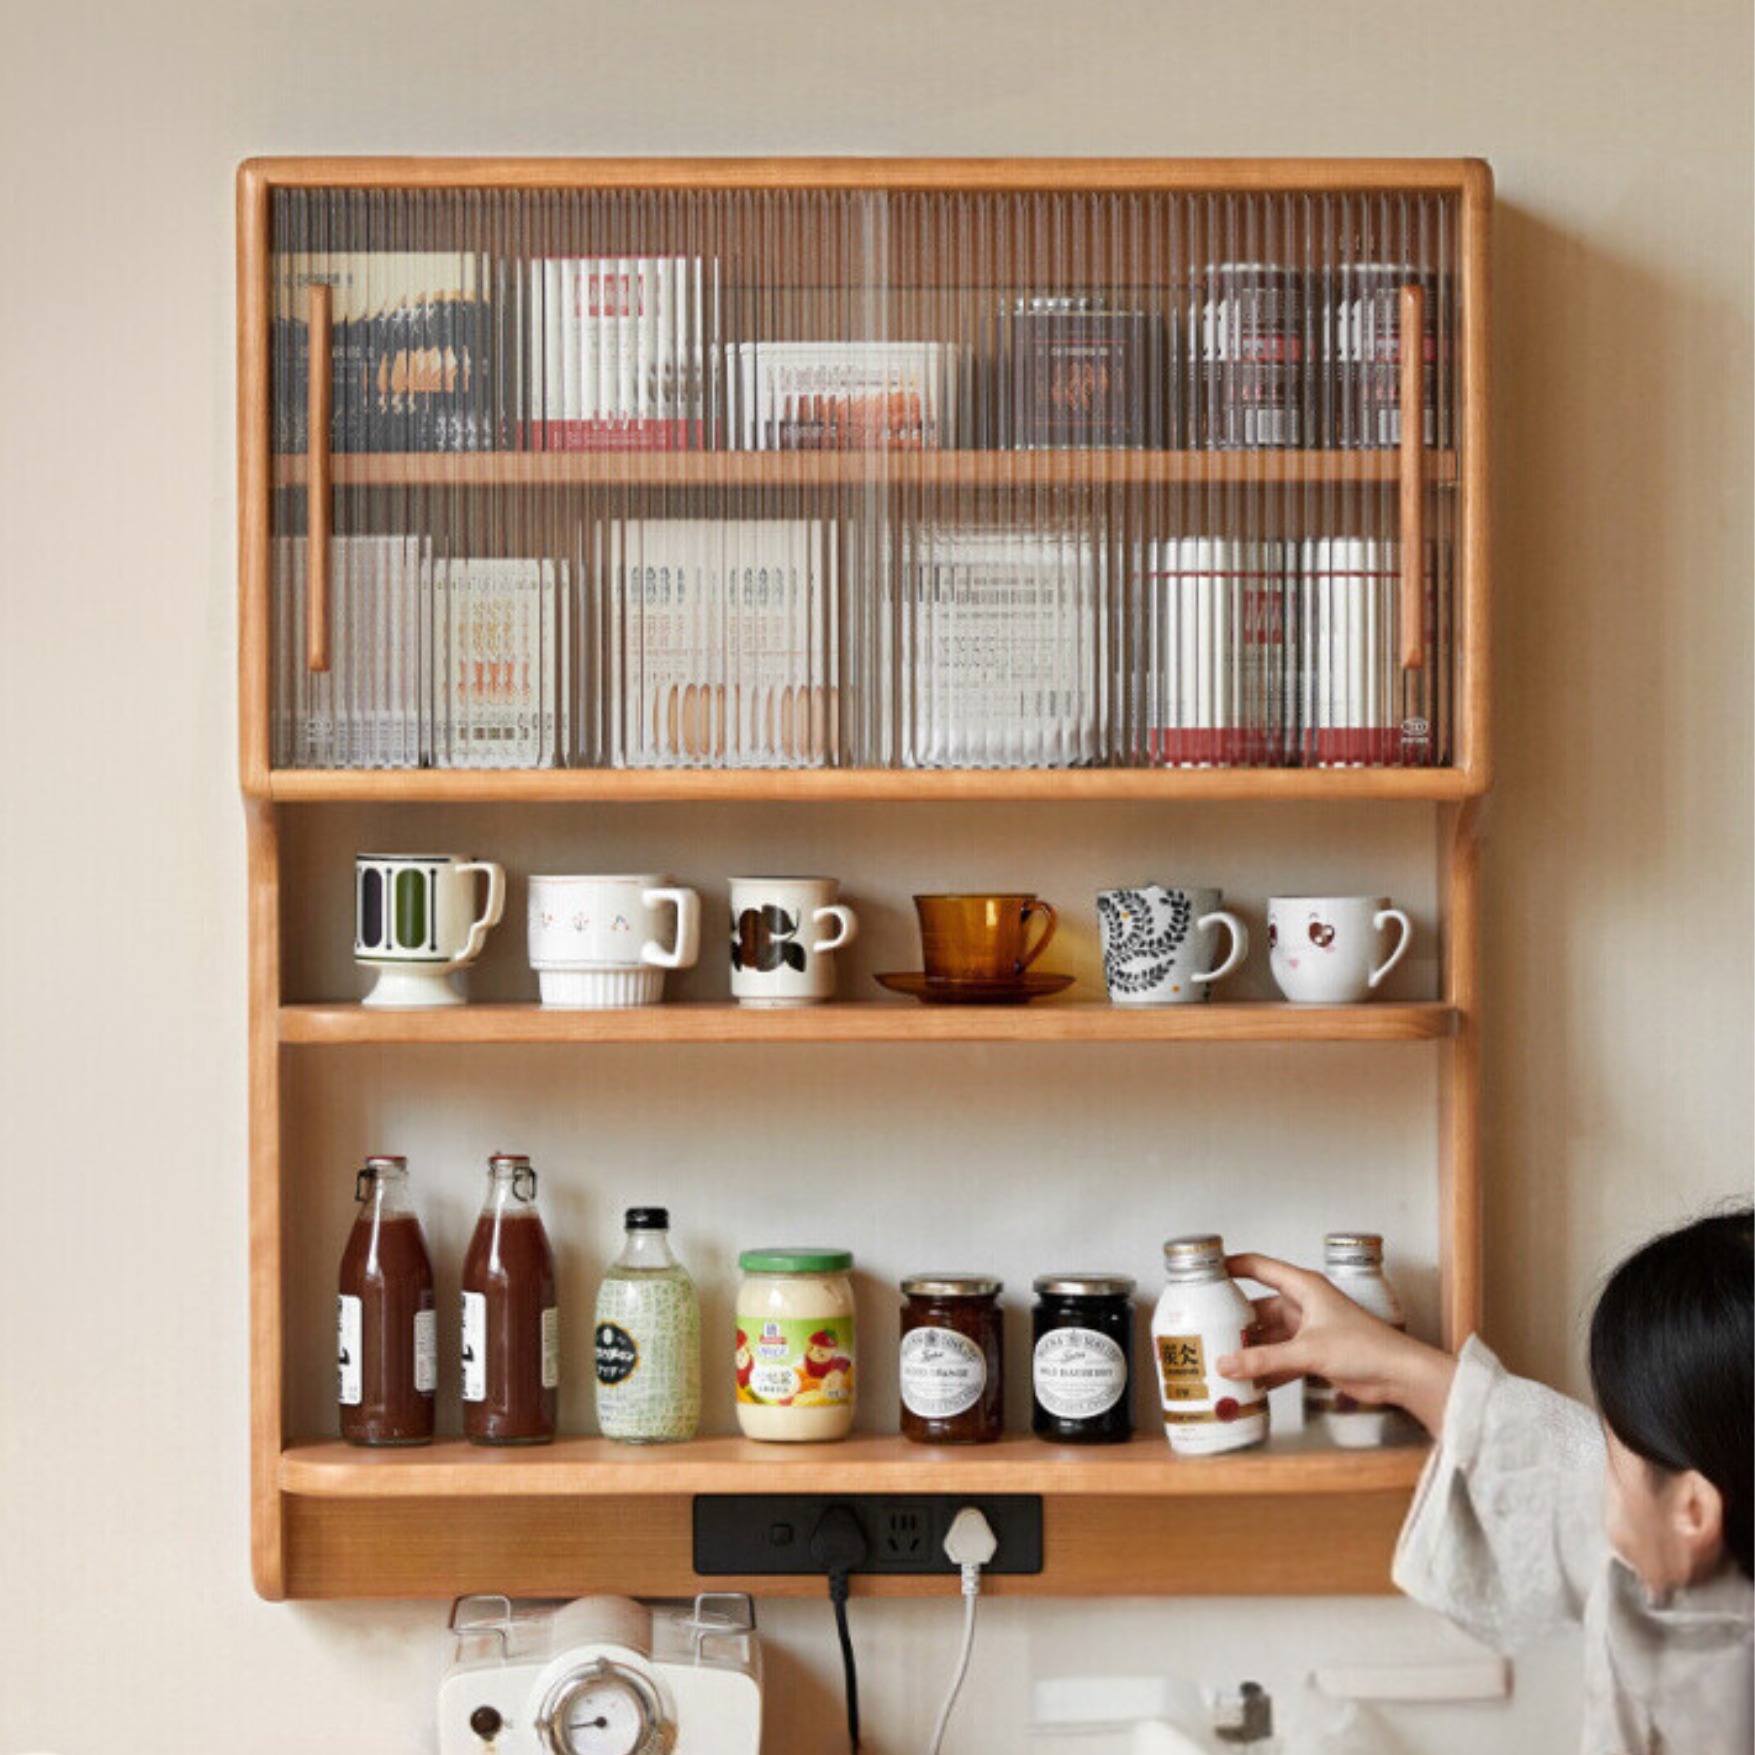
(980, 938)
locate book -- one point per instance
(410, 350)
(721, 642)
(845, 395)
(619, 360)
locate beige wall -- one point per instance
(1618, 875)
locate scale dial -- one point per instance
(605, 1709)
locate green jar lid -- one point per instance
(803, 1259)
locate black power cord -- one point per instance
(838, 1545)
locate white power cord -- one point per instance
(970, 1544)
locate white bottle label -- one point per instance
(551, 1348)
(1079, 1373)
(426, 1351)
(943, 1373)
(474, 1355)
(347, 1350)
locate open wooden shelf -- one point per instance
(870, 785)
(583, 1515)
(865, 1463)
(872, 1021)
(861, 469)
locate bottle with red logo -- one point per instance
(1202, 1315)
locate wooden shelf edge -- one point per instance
(1215, 175)
(867, 1463)
(724, 1021)
(871, 785)
(879, 470)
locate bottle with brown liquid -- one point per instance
(386, 1327)
(511, 1328)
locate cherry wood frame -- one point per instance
(327, 1521)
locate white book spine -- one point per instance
(627, 337)
(590, 339)
(572, 326)
(554, 399)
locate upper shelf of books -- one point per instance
(865, 476)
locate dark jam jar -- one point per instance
(1081, 1359)
(952, 1359)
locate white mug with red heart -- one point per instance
(1323, 949)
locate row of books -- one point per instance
(685, 643)
(444, 661)
(1000, 643)
(617, 352)
(714, 643)
(467, 351)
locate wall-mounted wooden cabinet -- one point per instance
(846, 481)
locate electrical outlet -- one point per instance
(904, 1533)
(747, 1535)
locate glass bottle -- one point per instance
(511, 1354)
(648, 1338)
(386, 1340)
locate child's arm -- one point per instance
(1505, 1536)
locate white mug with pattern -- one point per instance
(600, 942)
(415, 923)
(1323, 949)
(1160, 944)
(784, 933)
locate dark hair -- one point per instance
(1672, 1359)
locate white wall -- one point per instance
(1619, 950)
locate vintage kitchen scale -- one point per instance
(602, 1676)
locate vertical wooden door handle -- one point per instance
(1412, 354)
(318, 482)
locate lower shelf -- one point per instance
(583, 1515)
(874, 1021)
(865, 1463)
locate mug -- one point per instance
(1156, 938)
(598, 942)
(414, 922)
(777, 955)
(980, 938)
(1321, 948)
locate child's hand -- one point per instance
(1306, 1327)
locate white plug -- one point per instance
(970, 1543)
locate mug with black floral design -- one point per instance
(1156, 940)
(1323, 949)
(784, 933)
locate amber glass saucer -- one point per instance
(1013, 990)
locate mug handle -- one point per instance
(1046, 910)
(1378, 921)
(492, 908)
(688, 930)
(1239, 943)
(845, 918)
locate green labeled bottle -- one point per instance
(648, 1334)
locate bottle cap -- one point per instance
(1084, 1285)
(951, 1286)
(386, 1162)
(1352, 1249)
(1197, 1257)
(647, 1219)
(802, 1258)
(514, 1159)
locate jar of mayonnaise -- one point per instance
(795, 1344)
(1201, 1316)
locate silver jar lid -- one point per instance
(1352, 1249)
(386, 1162)
(950, 1286)
(1197, 1257)
(1084, 1285)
